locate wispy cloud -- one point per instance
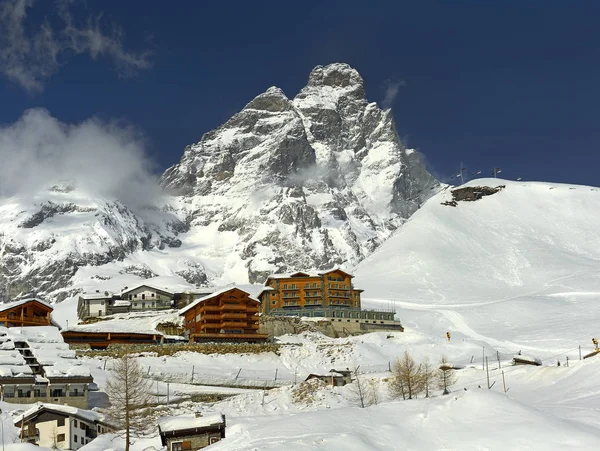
(102, 158)
(30, 54)
(392, 88)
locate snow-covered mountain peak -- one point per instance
(336, 75)
(312, 182)
(273, 100)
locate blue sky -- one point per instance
(487, 83)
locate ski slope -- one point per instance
(519, 269)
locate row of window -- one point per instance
(143, 296)
(314, 285)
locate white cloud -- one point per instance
(30, 55)
(102, 158)
(392, 88)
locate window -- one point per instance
(143, 296)
(135, 296)
(152, 294)
(214, 440)
(74, 423)
(75, 438)
(274, 302)
(181, 446)
(314, 285)
(306, 285)
(293, 286)
(285, 286)
(81, 426)
(60, 438)
(135, 304)
(60, 422)
(99, 428)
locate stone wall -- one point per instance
(197, 441)
(276, 326)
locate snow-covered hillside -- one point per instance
(519, 269)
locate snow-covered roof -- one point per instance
(47, 346)
(289, 275)
(13, 304)
(83, 414)
(184, 422)
(130, 326)
(215, 294)
(152, 287)
(121, 303)
(313, 273)
(102, 295)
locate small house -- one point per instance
(26, 312)
(332, 378)
(61, 427)
(191, 432)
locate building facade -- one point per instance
(26, 312)
(36, 365)
(141, 298)
(230, 314)
(61, 427)
(310, 290)
(191, 432)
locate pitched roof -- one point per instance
(215, 294)
(9, 305)
(185, 422)
(153, 287)
(47, 346)
(291, 275)
(101, 295)
(86, 415)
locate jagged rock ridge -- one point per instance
(309, 182)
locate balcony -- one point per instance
(235, 324)
(250, 309)
(210, 308)
(230, 307)
(229, 315)
(210, 316)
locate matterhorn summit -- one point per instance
(309, 182)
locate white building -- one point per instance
(37, 365)
(61, 427)
(148, 297)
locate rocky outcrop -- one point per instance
(471, 194)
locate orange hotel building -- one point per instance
(331, 288)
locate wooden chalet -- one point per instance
(228, 315)
(26, 312)
(98, 339)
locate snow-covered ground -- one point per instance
(518, 271)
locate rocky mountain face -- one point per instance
(47, 238)
(303, 183)
(309, 182)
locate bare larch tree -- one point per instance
(445, 375)
(129, 395)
